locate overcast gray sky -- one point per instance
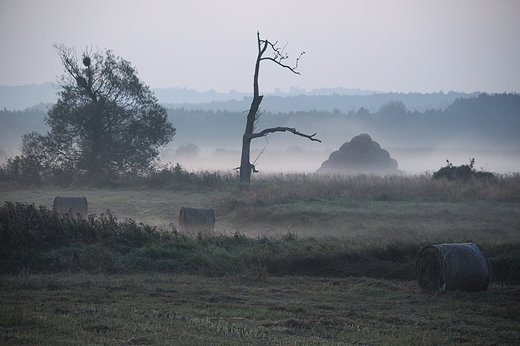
(391, 46)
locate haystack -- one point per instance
(450, 267)
(193, 219)
(360, 155)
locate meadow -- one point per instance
(295, 259)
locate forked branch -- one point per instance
(267, 131)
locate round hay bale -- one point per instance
(193, 219)
(450, 267)
(71, 205)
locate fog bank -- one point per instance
(412, 161)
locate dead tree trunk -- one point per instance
(246, 168)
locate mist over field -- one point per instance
(420, 131)
(411, 160)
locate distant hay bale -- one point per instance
(360, 155)
(450, 267)
(71, 205)
(193, 219)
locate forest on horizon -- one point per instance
(485, 120)
(296, 99)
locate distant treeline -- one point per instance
(323, 99)
(486, 119)
(335, 101)
(489, 119)
(14, 124)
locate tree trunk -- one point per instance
(245, 171)
(96, 134)
(245, 164)
(246, 168)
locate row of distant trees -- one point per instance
(329, 102)
(493, 118)
(486, 118)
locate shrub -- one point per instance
(463, 172)
(35, 239)
(29, 171)
(30, 236)
(25, 170)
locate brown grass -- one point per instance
(165, 309)
(363, 206)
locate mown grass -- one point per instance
(295, 259)
(166, 309)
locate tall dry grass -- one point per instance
(279, 187)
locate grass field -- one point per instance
(370, 207)
(293, 221)
(165, 309)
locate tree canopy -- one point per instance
(106, 121)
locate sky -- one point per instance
(389, 46)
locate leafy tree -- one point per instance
(278, 57)
(393, 109)
(106, 121)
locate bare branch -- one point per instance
(267, 131)
(254, 162)
(282, 65)
(279, 55)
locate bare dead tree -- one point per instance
(278, 57)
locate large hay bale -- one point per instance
(450, 267)
(193, 219)
(71, 205)
(360, 155)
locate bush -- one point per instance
(29, 171)
(38, 240)
(25, 170)
(463, 172)
(28, 234)
(176, 177)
